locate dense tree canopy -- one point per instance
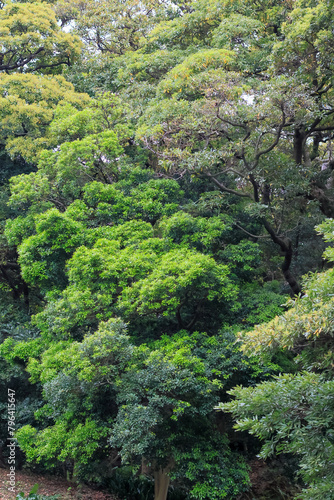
(31, 39)
(294, 412)
(166, 171)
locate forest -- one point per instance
(167, 247)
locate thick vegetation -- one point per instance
(166, 195)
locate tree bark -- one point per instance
(161, 483)
(286, 247)
(284, 243)
(298, 145)
(326, 203)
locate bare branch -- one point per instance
(264, 236)
(222, 187)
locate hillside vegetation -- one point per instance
(166, 245)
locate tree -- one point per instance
(28, 102)
(31, 39)
(99, 236)
(27, 107)
(31, 42)
(159, 201)
(113, 28)
(216, 113)
(140, 276)
(293, 413)
(164, 395)
(165, 415)
(161, 263)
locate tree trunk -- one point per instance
(284, 243)
(161, 484)
(298, 145)
(326, 203)
(315, 146)
(287, 250)
(266, 194)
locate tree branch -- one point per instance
(222, 187)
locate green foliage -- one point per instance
(181, 81)
(260, 305)
(62, 175)
(248, 37)
(73, 381)
(143, 279)
(167, 199)
(211, 470)
(43, 255)
(31, 39)
(27, 104)
(193, 28)
(164, 392)
(309, 320)
(181, 273)
(294, 414)
(143, 271)
(204, 234)
(128, 485)
(15, 328)
(166, 406)
(308, 26)
(130, 23)
(62, 442)
(149, 67)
